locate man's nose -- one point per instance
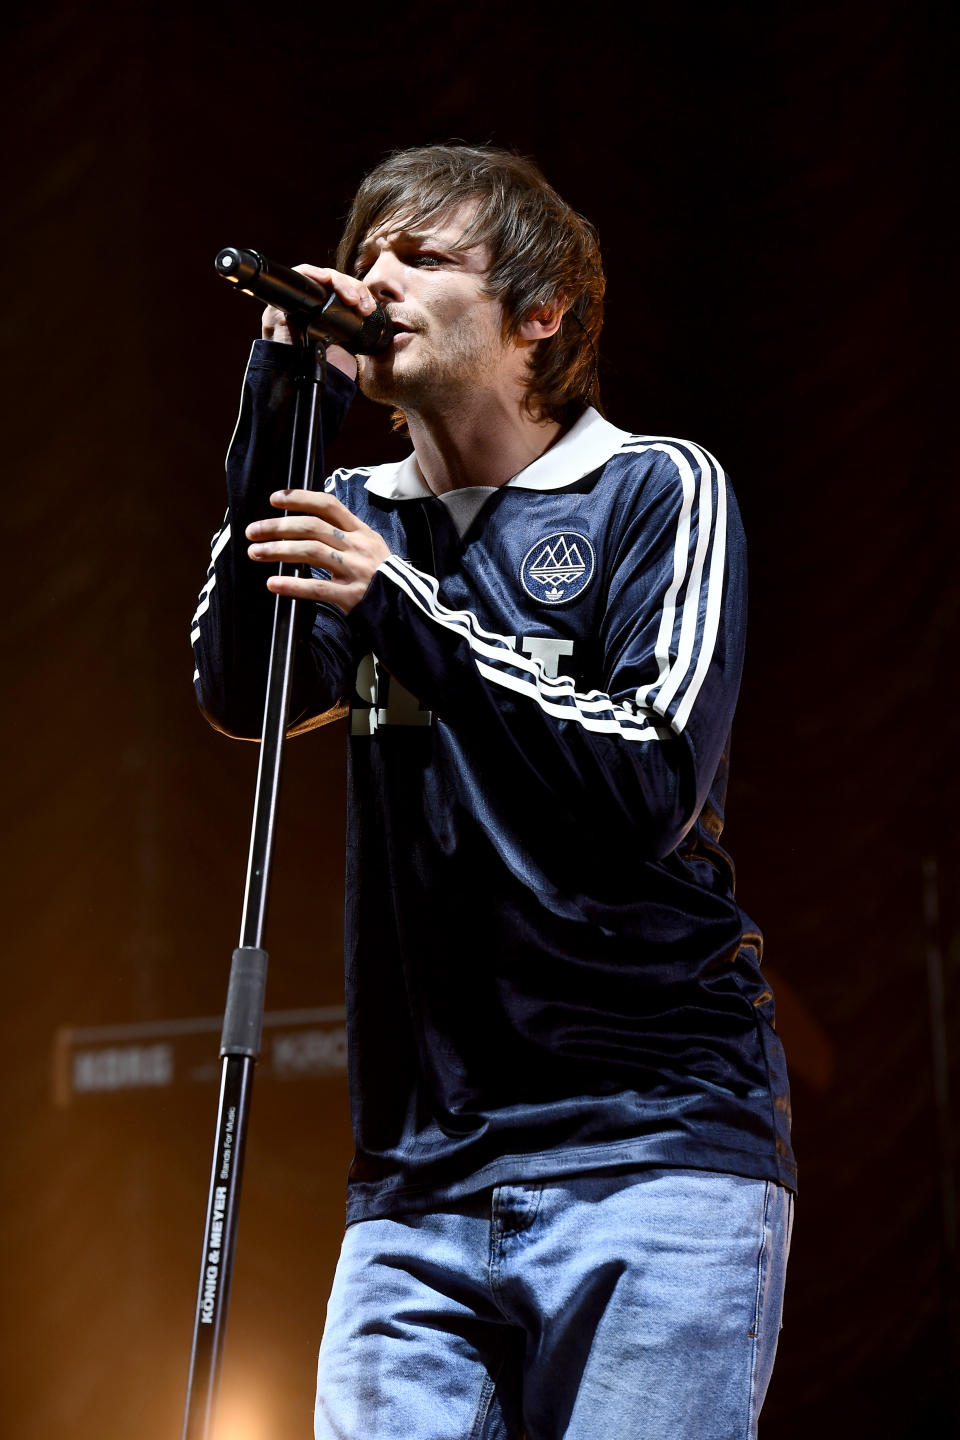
(385, 278)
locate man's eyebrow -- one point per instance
(409, 237)
(417, 237)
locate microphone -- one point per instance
(316, 306)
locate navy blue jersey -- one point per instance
(547, 971)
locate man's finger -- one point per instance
(288, 527)
(316, 502)
(350, 290)
(300, 528)
(304, 587)
(297, 552)
(345, 595)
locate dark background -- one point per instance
(769, 183)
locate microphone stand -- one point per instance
(243, 1015)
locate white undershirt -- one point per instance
(465, 504)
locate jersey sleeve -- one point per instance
(233, 622)
(641, 750)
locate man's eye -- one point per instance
(425, 260)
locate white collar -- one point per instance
(586, 446)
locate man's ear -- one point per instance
(543, 320)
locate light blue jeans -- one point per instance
(608, 1306)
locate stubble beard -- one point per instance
(430, 379)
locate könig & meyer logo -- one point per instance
(558, 568)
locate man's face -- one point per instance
(449, 339)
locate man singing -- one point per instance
(569, 1210)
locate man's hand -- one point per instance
(320, 532)
(275, 325)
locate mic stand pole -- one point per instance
(243, 1016)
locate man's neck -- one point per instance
(484, 441)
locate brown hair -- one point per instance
(541, 251)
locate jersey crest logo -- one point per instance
(558, 568)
